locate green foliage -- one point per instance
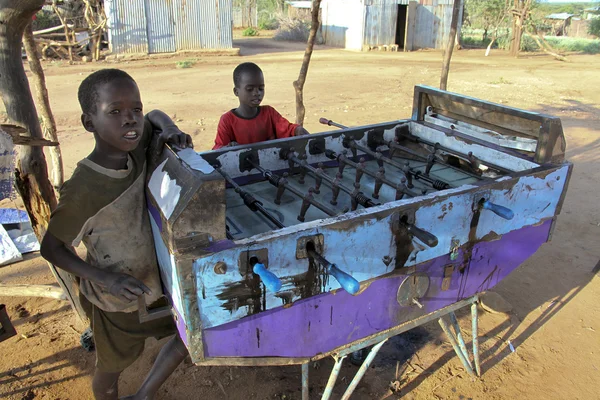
(250, 32)
(185, 64)
(485, 14)
(267, 23)
(566, 7)
(44, 20)
(587, 46)
(473, 38)
(594, 27)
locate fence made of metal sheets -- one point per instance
(159, 26)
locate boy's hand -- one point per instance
(125, 287)
(300, 131)
(174, 136)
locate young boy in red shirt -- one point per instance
(251, 122)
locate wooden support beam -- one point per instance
(49, 291)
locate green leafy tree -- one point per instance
(594, 27)
(485, 14)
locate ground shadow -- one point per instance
(567, 264)
(256, 46)
(35, 370)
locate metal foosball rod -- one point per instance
(431, 159)
(409, 172)
(357, 196)
(473, 161)
(249, 200)
(379, 176)
(281, 184)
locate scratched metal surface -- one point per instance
(359, 248)
(244, 223)
(321, 323)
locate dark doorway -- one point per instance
(401, 26)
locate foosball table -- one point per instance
(289, 251)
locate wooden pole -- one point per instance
(31, 174)
(450, 46)
(43, 102)
(49, 291)
(299, 84)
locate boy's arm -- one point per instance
(283, 127)
(225, 134)
(169, 132)
(300, 131)
(123, 286)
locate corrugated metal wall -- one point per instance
(159, 26)
(381, 17)
(342, 23)
(127, 26)
(432, 24)
(354, 23)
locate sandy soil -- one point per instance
(554, 325)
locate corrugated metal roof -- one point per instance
(300, 4)
(127, 26)
(161, 26)
(561, 16)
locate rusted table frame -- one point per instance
(455, 337)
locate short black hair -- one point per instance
(88, 90)
(247, 67)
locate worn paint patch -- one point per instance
(165, 190)
(195, 161)
(168, 272)
(338, 319)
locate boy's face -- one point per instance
(251, 89)
(118, 122)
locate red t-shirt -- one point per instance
(267, 125)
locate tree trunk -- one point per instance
(43, 102)
(521, 13)
(450, 46)
(31, 175)
(548, 50)
(299, 84)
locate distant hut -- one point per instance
(559, 23)
(388, 24)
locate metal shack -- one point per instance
(158, 26)
(399, 24)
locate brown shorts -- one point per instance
(119, 337)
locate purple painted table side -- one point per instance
(324, 322)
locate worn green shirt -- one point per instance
(106, 211)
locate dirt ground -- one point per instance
(555, 323)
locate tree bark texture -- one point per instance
(520, 14)
(299, 84)
(31, 175)
(450, 46)
(43, 102)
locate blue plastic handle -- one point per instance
(271, 281)
(500, 211)
(346, 281)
